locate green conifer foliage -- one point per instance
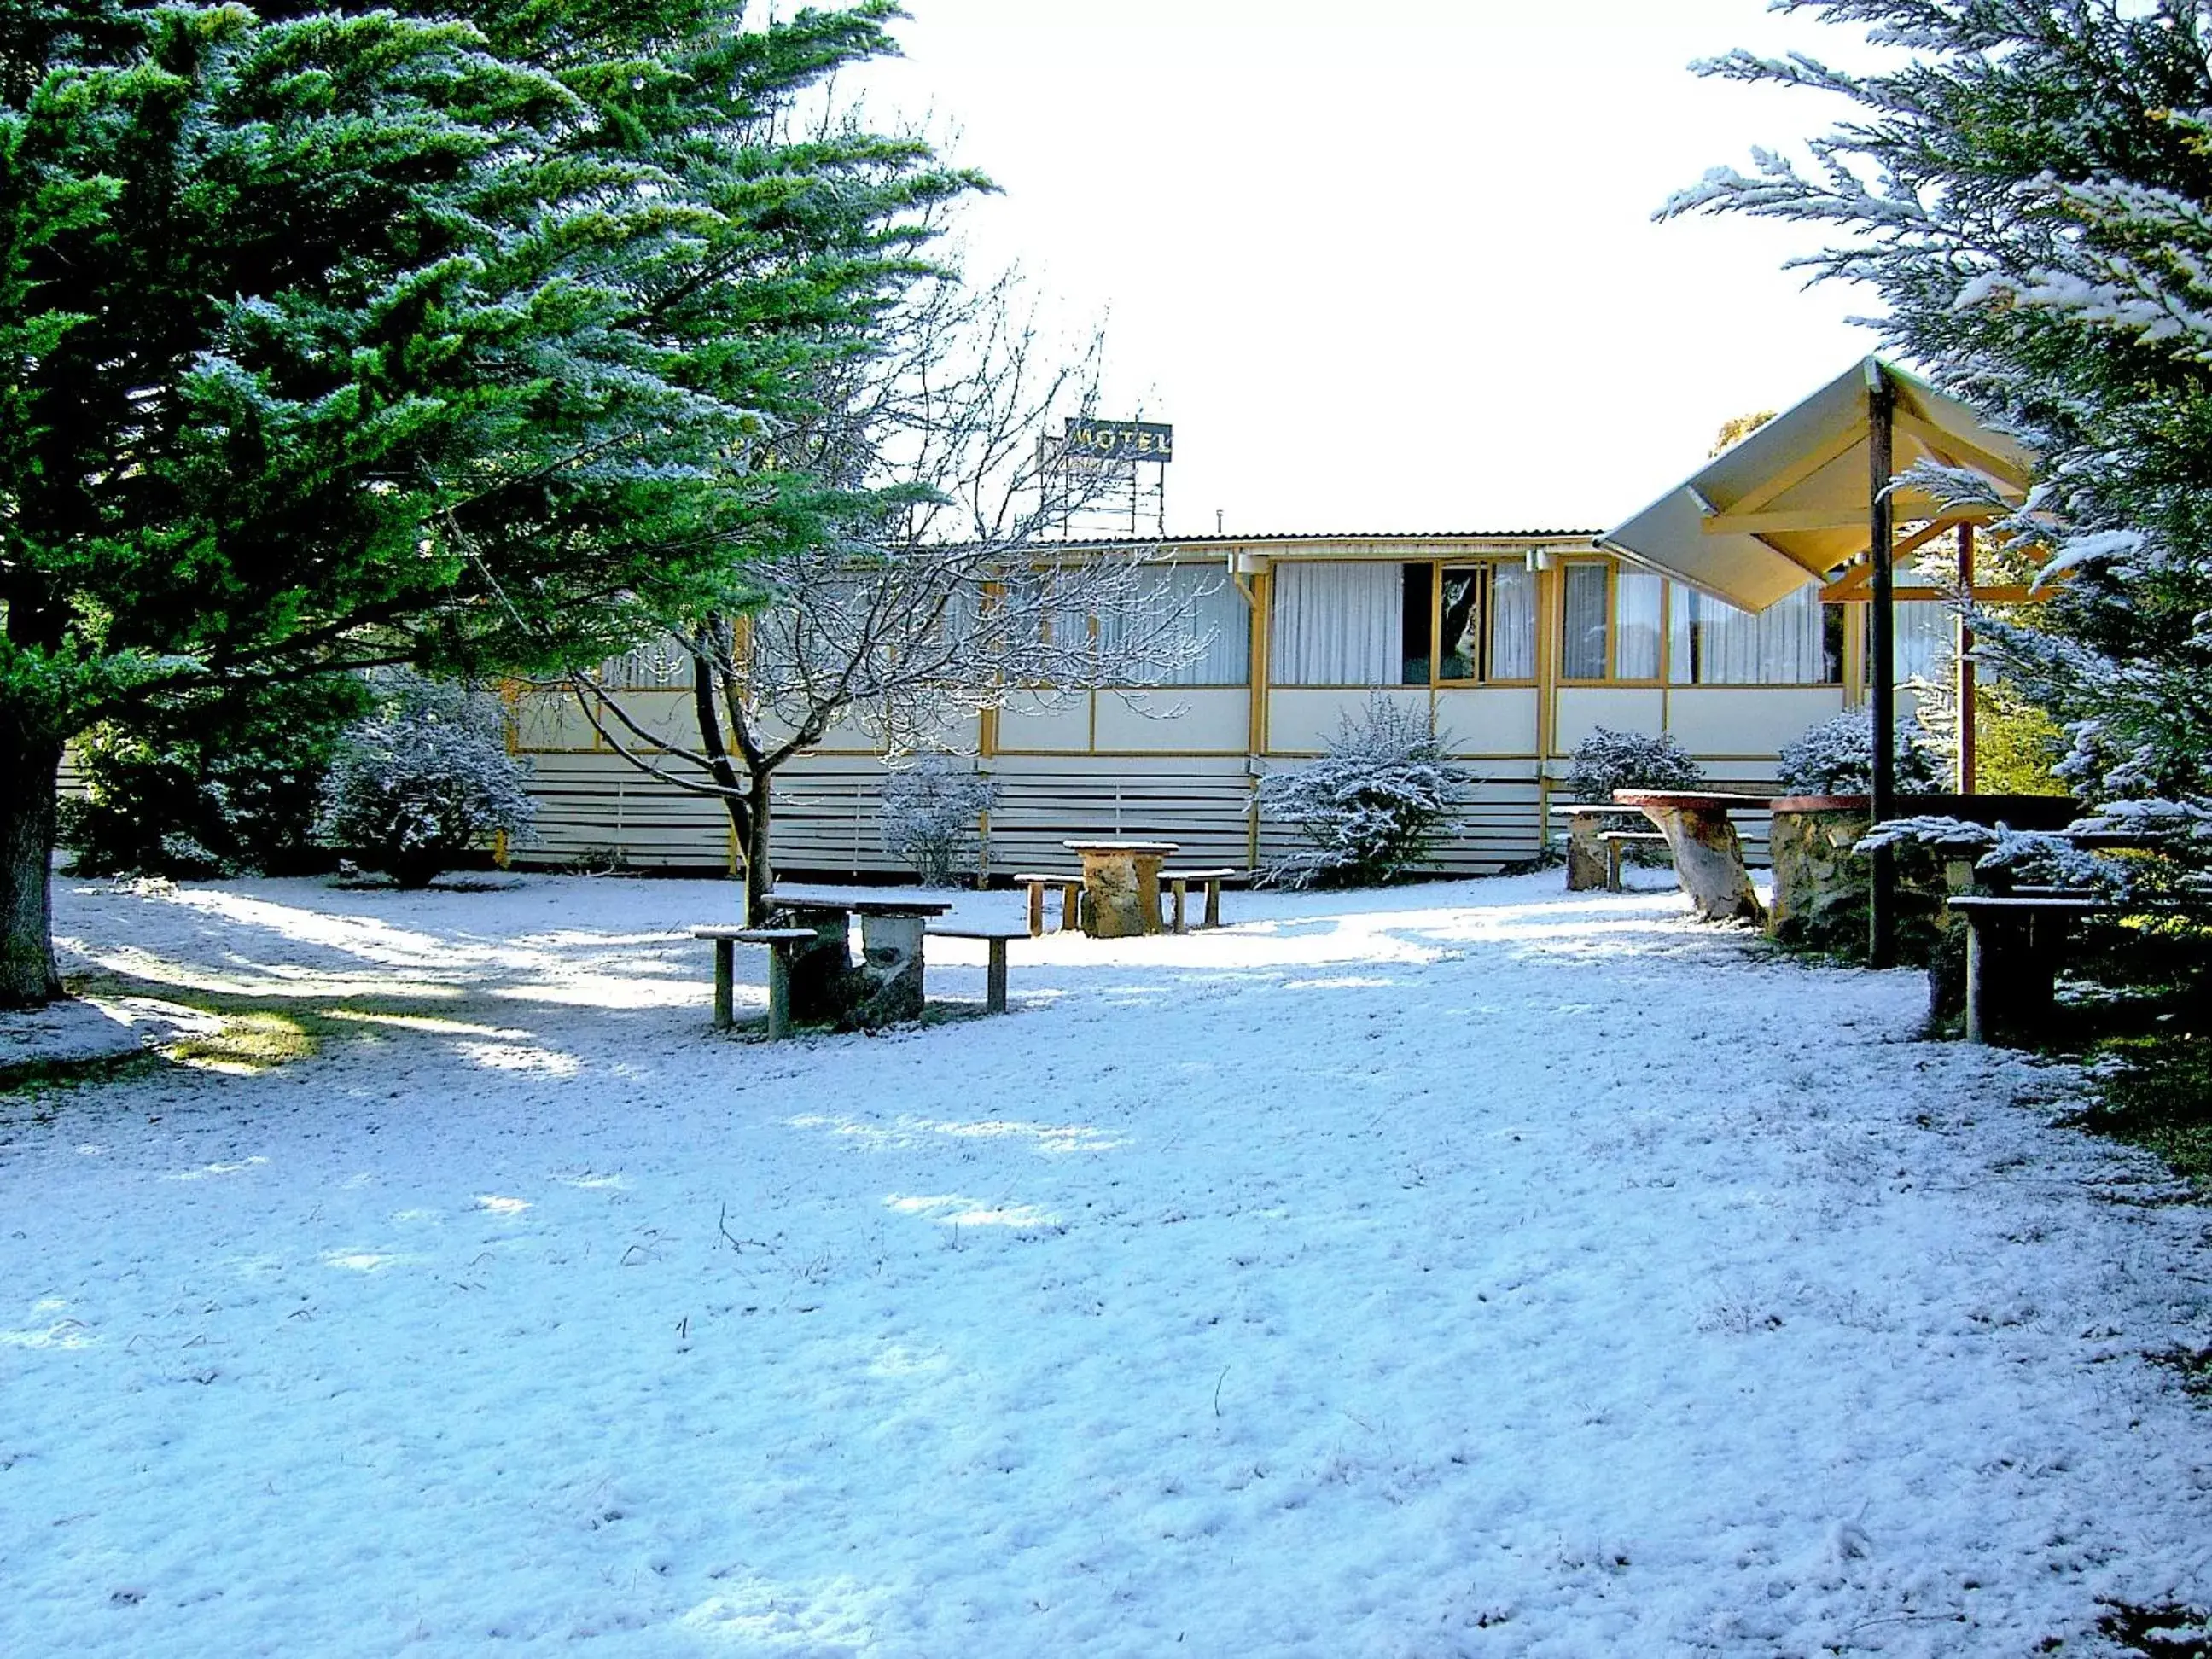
(346, 336)
(2026, 184)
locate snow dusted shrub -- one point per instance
(423, 781)
(1370, 807)
(1836, 757)
(931, 815)
(1605, 761)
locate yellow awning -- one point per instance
(1789, 504)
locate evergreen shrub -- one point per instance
(424, 781)
(1836, 757)
(211, 785)
(1369, 808)
(1606, 760)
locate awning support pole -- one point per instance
(1881, 897)
(1966, 664)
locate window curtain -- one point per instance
(1582, 656)
(1204, 608)
(1635, 597)
(1927, 642)
(1512, 623)
(1715, 644)
(1337, 623)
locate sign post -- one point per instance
(1094, 469)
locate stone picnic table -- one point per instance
(1708, 855)
(826, 988)
(1121, 886)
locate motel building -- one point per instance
(1514, 645)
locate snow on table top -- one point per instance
(1473, 1269)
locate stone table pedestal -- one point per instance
(886, 988)
(1708, 856)
(1121, 886)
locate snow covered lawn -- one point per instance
(1472, 1269)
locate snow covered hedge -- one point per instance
(1606, 760)
(1836, 757)
(1370, 807)
(423, 782)
(931, 815)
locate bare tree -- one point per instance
(936, 600)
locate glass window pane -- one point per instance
(1581, 651)
(1461, 627)
(1512, 623)
(1214, 611)
(1682, 605)
(1635, 625)
(1413, 668)
(1785, 644)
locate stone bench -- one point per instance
(1588, 861)
(782, 943)
(994, 975)
(1179, 885)
(2013, 944)
(1071, 900)
(1617, 841)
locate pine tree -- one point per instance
(2028, 187)
(343, 337)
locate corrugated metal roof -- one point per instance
(1231, 539)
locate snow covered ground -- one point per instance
(1471, 1269)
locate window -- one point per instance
(1459, 625)
(1637, 597)
(1512, 623)
(1582, 621)
(1339, 624)
(1469, 624)
(1796, 640)
(1199, 605)
(1927, 642)
(1414, 649)
(1609, 623)
(1211, 610)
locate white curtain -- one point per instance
(1337, 625)
(1582, 656)
(1927, 642)
(1781, 645)
(1635, 625)
(1512, 623)
(1205, 608)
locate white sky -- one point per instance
(1391, 266)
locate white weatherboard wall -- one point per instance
(1034, 725)
(1178, 763)
(1492, 721)
(1175, 720)
(1583, 708)
(1305, 721)
(1747, 722)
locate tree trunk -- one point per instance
(27, 974)
(760, 876)
(748, 823)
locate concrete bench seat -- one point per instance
(1071, 899)
(1617, 841)
(994, 975)
(1179, 885)
(780, 942)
